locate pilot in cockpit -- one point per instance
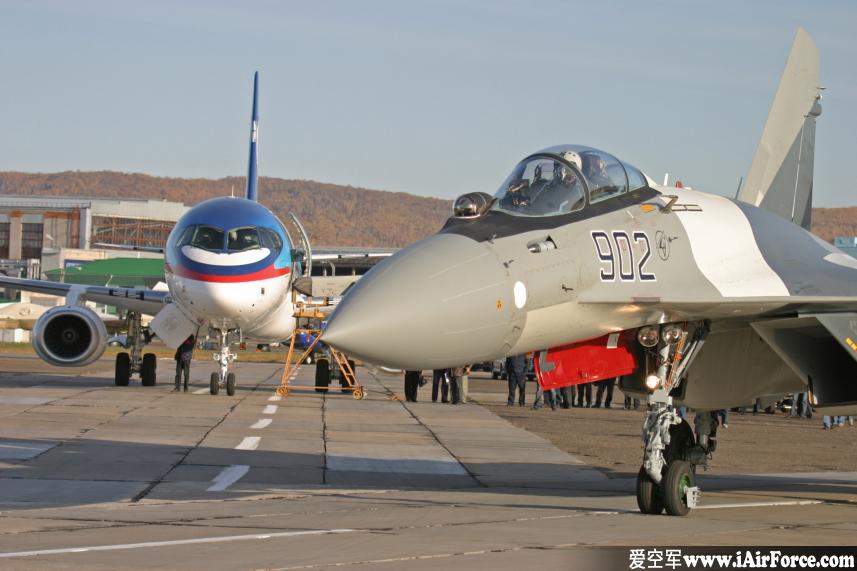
(564, 193)
(595, 171)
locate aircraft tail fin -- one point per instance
(780, 177)
(252, 175)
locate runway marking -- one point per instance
(201, 391)
(262, 423)
(249, 443)
(275, 398)
(221, 539)
(762, 504)
(269, 409)
(227, 477)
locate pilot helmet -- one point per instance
(572, 158)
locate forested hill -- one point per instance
(333, 215)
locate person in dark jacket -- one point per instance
(605, 386)
(412, 383)
(183, 357)
(584, 389)
(516, 372)
(439, 382)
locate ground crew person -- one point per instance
(412, 383)
(184, 355)
(516, 372)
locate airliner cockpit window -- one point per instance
(241, 239)
(541, 186)
(271, 240)
(208, 238)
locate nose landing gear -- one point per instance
(667, 478)
(224, 378)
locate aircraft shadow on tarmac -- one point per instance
(80, 472)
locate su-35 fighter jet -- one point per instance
(693, 299)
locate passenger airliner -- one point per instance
(230, 266)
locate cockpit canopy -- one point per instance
(558, 180)
(240, 239)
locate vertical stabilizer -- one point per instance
(780, 177)
(252, 175)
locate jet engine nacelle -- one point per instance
(586, 362)
(69, 336)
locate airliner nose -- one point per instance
(444, 301)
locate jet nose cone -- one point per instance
(445, 301)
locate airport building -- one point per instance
(62, 232)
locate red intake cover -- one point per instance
(586, 362)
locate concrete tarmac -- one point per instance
(104, 477)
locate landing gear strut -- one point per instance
(223, 357)
(667, 478)
(135, 362)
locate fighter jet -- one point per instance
(691, 298)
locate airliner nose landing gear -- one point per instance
(667, 478)
(224, 378)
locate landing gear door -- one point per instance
(307, 262)
(172, 326)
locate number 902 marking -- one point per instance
(615, 251)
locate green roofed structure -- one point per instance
(124, 272)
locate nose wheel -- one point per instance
(679, 488)
(223, 358)
(648, 494)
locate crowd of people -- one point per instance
(451, 386)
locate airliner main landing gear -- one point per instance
(667, 478)
(134, 362)
(224, 378)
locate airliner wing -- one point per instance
(145, 301)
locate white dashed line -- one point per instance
(275, 398)
(201, 391)
(227, 477)
(262, 423)
(249, 443)
(761, 504)
(219, 539)
(269, 409)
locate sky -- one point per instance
(435, 98)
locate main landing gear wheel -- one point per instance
(123, 370)
(322, 375)
(148, 370)
(230, 384)
(214, 384)
(675, 485)
(648, 494)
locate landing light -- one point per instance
(652, 381)
(671, 333)
(648, 336)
